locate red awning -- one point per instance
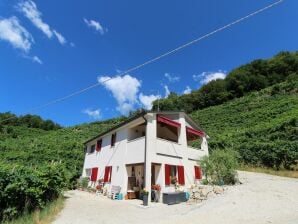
(168, 121)
(195, 132)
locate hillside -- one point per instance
(262, 126)
(39, 158)
(252, 76)
(34, 146)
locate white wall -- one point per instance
(159, 151)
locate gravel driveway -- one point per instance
(260, 199)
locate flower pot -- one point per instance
(145, 199)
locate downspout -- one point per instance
(145, 152)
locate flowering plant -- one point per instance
(144, 192)
(156, 187)
(174, 180)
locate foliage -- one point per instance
(23, 189)
(83, 182)
(44, 216)
(30, 121)
(220, 167)
(262, 126)
(253, 76)
(36, 165)
(39, 158)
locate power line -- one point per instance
(154, 59)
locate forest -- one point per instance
(253, 76)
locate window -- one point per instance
(167, 129)
(98, 145)
(88, 172)
(136, 132)
(194, 137)
(198, 173)
(92, 149)
(108, 174)
(174, 174)
(94, 174)
(113, 139)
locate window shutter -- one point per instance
(98, 145)
(110, 172)
(198, 173)
(106, 176)
(94, 173)
(181, 180)
(167, 174)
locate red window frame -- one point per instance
(167, 174)
(198, 173)
(181, 179)
(94, 173)
(108, 174)
(180, 171)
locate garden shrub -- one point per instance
(220, 167)
(24, 189)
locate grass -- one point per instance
(44, 216)
(282, 173)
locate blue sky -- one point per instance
(49, 49)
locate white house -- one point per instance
(151, 148)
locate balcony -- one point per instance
(135, 152)
(170, 148)
(195, 154)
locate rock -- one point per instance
(218, 190)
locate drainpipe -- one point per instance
(145, 152)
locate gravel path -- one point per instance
(260, 199)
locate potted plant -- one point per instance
(145, 194)
(155, 192)
(173, 180)
(156, 187)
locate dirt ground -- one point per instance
(260, 199)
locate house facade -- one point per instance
(152, 148)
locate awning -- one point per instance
(195, 132)
(168, 121)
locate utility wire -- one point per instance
(153, 59)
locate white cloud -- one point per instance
(95, 25)
(60, 38)
(197, 77)
(29, 9)
(209, 76)
(206, 77)
(37, 60)
(172, 78)
(94, 114)
(13, 32)
(124, 89)
(187, 90)
(147, 101)
(167, 91)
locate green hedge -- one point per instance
(24, 189)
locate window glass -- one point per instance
(88, 172)
(92, 149)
